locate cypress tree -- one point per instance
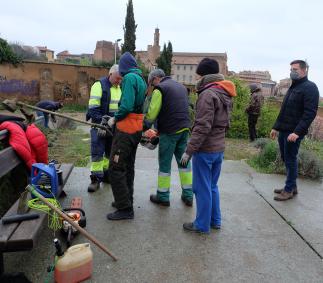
(129, 31)
(164, 61)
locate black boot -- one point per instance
(121, 214)
(188, 202)
(95, 184)
(155, 199)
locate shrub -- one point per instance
(7, 55)
(239, 119)
(268, 160)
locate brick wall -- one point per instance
(34, 81)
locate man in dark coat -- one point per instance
(254, 108)
(295, 117)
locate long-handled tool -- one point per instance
(32, 190)
(12, 106)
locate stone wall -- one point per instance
(34, 81)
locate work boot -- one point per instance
(284, 196)
(189, 227)
(155, 199)
(95, 184)
(106, 177)
(121, 214)
(188, 202)
(279, 191)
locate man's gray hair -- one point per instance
(157, 73)
(114, 69)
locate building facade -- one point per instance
(183, 63)
(261, 77)
(49, 54)
(104, 51)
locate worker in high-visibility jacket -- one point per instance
(103, 103)
(169, 107)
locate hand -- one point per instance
(185, 159)
(273, 134)
(101, 133)
(111, 122)
(292, 137)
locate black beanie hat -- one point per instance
(207, 66)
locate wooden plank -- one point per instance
(27, 232)
(24, 237)
(7, 230)
(8, 160)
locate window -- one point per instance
(178, 67)
(190, 79)
(191, 67)
(177, 77)
(184, 78)
(184, 67)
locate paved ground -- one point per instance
(260, 241)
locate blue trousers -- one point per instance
(288, 152)
(100, 150)
(46, 117)
(206, 172)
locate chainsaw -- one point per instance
(77, 214)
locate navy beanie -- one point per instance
(207, 66)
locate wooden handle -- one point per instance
(32, 190)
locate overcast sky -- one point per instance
(256, 35)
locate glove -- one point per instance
(111, 122)
(185, 159)
(101, 133)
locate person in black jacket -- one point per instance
(295, 117)
(48, 105)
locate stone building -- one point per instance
(183, 64)
(282, 87)
(262, 77)
(49, 54)
(65, 56)
(148, 58)
(104, 51)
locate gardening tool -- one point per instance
(77, 214)
(13, 105)
(32, 190)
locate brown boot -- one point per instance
(284, 196)
(279, 191)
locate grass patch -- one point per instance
(69, 146)
(73, 108)
(237, 149)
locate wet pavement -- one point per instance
(260, 241)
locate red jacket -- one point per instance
(31, 146)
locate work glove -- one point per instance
(111, 122)
(104, 122)
(53, 118)
(185, 159)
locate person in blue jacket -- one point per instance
(48, 105)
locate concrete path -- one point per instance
(260, 240)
